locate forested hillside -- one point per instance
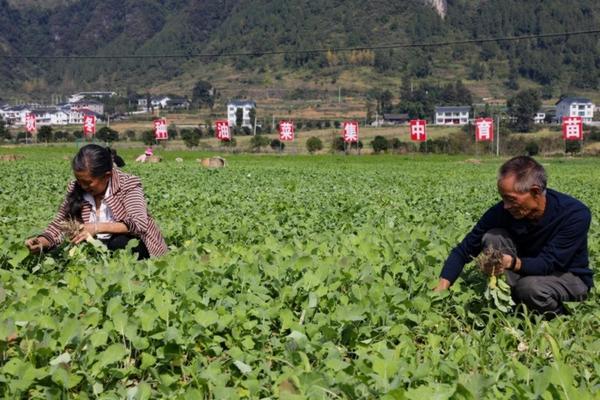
(222, 27)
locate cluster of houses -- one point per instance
(459, 115)
(79, 105)
(89, 103)
(61, 114)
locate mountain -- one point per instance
(291, 28)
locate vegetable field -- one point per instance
(288, 278)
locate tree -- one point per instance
(512, 82)
(173, 131)
(148, 137)
(384, 102)
(130, 134)
(259, 141)
(476, 71)
(252, 116)
(45, 134)
(277, 145)
(3, 130)
(379, 144)
(338, 144)
(239, 117)
(203, 94)
(229, 143)
(314, 144)
(190, 137)
(532, 148)
(107, 134)
(522, 108)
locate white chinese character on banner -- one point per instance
(484, 130)
(30, 123)
(350, 132)
(286, 131)
(223, 131)
(572, 128)
(89, 124)
(160, 129)
(418, 130)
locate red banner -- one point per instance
(572, 128)
(222, 130)
(89, 125)
(287, 131)
(160, 129)
(484, 130)
(417, 130)
(350, 131)
(30, 123)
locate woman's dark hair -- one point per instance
(117, 159)
(95, 159)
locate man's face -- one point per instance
(520, 205)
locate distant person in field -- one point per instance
(107, 203)
(542, 234)
(148, 153)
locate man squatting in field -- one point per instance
(543, 237)
(106, 203)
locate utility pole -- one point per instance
(339, 95)
(498, 135)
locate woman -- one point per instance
(108, 204)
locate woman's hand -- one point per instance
(85, 230)
(37, 244)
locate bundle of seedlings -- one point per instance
(72, 227)
(490, 263)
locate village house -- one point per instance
(540, 117)
(246, 106)
(15, 115)
(391, 119)
(575, 107)
(162, 102)
(74, 98)
(60, 115)
(88, 104)
(50, 116)
(452, 115)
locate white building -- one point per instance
(92, 105)
(453, 115)
(46, 115)
(575, 107)
(246, 106)
(15, 115)
(82, 95)
(51, 116)
(540, 117)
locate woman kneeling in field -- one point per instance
(107, 204)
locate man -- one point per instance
(543, 237)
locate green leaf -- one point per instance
(243, 367)
(113, 354)
(64, 358)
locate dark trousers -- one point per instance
(542, 293)
(117, 242)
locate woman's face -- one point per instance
(92, 184)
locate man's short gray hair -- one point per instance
(527, 172)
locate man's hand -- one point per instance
(511, 263)
(85, 230)
(443, 284)
(37, 244)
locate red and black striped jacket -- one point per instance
(128, 206)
